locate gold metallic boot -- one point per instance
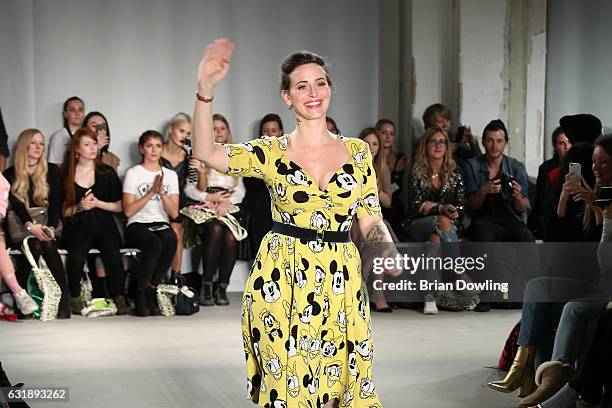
(521, 374)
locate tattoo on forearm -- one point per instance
(378, 233)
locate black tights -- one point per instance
(48, 251)
(220, 250)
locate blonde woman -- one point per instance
(383, 182)
(436, 195)
(176, 158)
(397, 163)
(36, 183)
(220, 248)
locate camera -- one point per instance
(604, 198)
(100, 127)
(507, 188)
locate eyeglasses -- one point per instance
(441, 142)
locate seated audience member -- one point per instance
(97, 123)
(548, 173)
(219, 246)
(465, 149)
(176, 158)
(572, 219)
(7, 272)
(331, 126)
(36, 185)
(587, 390)
(92, 194)
(150, 201)
(383, 173)
(256, 202)
(572, 216)
(562, 309)
(383, 182)
(436, 194)
(59, 142)
(397, 163)
(496, 188)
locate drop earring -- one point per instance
(290, 107)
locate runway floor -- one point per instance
(197, 361)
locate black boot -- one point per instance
(141, 304)
(221, 298)
(206, 294)
(152, 299)
(64, 310)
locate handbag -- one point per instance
(95, 307)
(200, 214)
(50, 292)
(18, 232)
(177, 299)
(186, 301)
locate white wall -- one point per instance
(136, 60)
(579, 61)
(481, 62)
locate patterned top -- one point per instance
(451, 192)
(296, 199)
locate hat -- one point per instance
(583, 127)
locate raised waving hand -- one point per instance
(213, 68)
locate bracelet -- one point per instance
(203, 98)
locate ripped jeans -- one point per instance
(419, 230)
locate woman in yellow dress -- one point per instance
(305, 318)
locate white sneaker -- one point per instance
(25, 303)
(430, 308)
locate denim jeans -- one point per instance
(544, 311)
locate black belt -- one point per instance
(311, 234)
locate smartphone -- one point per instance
(576, 170)
(604, 198)
(47, 231)
(460, 133)
(158, 227)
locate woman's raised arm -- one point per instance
(212, 70)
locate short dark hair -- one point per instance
(494, 126)
(291, 62)
(432, 111)
(270, 117)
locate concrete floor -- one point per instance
(197, 361)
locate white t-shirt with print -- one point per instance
(138, 181)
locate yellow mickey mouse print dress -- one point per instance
(305, 314)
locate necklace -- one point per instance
(435, 175)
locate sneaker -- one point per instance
(25, 303)
(430, 308)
